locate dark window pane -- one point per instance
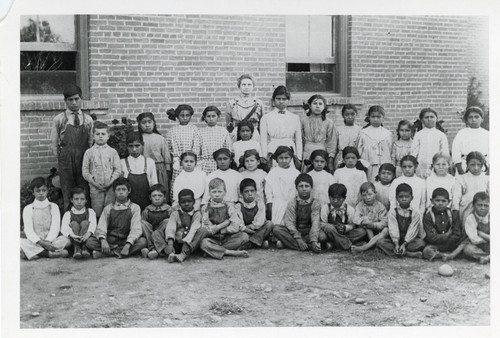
(299, 67)
(40, 82)
(310, 82)
(48, 61)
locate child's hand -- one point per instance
(396, 249)
(368, 225)
(340, 228)
(86, 236)
(105, 247)
(76, 238)
(302, 245)
(402, 249)
(315, 247)
(170, 247)
(46, 245)
(126, 250)
(249, 231)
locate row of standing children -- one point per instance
(371, 141)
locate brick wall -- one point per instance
(152, 63)
(408, 63)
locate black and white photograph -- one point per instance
(311, 168)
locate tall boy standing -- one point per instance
(101, 167)
(71, 135)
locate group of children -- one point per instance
(300, 182)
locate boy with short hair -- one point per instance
(371, 215)
(222, 225)
(119, 229)
(154, 217)
(101, 167)
(79, 223)
(41, 225)
(301, 229)
(442, 227)
(403, 224)
(253, 211)
(177, 240)
(477, 228)
(71, 135)
(337, 219)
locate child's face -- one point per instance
(217, 194)
(147, 125)
(223, 162)
(336, 201)
(245, 133)
(121, 193)
(386, 176)
(101, 136)
(284, 160)
(304, 190)
(349, 117)
(188, 163)
(281, 102)
(40, 193)
(408, 168)
(135, 148)
(475, 167)
(186, 203)
(319, 163)
(404, 132)
(440, 203)
(482, 207)
(184, 117)
(404, 199)
(73, 103)
(368, 196)
(441, 167)
(317, 106)
(429, 120)
(249, 193)
(251, 163)
(376, 119)
(246, 86)
(157, 198)
(474, 120)
(79, 201)
(350, 160)
(211, 118)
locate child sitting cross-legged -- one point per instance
(178, 240)
(222, 230)
(371, 215)
(337, 219)
(154, 217)
(253, 211)
(442, 227)
(119, 229)
(79, 223)
(301, 224)
(404, 225)
(477, 228)
(41, 225)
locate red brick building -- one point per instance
(131, 64)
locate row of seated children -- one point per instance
(221, 229)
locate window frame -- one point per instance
(339, 60)
(81, 47)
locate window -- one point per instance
(54, 52)
(316, 56)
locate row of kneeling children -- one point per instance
(293, 212)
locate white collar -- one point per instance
(78, 212)
(41, 204)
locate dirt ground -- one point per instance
(271, 288)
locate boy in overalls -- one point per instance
(71, 136)
(119, 229)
